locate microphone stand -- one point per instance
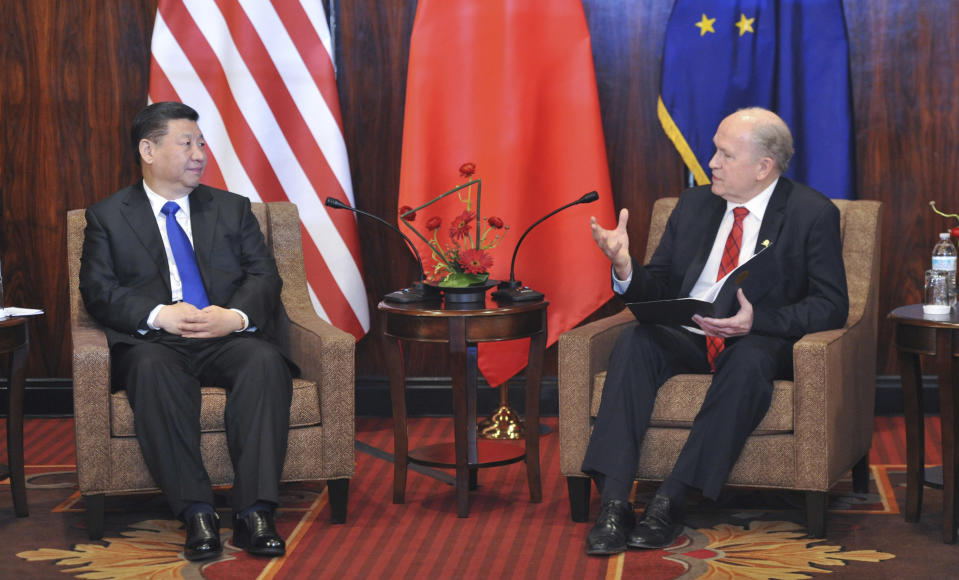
(417, 291)
(513, 290)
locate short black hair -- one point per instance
(151, 122)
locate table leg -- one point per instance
(948, 385)
(459, 375)
(472, 375)
(915, 443)
(534, 375)
(15, 387)
(397, 371)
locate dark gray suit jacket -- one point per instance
(124, 272)
(803, 226)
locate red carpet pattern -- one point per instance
(755, 534)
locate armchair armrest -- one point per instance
(583, 352)
(91, 405)
(834, 400)
(325, 355)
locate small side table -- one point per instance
(15, 344)
(462, 326)
(916, 335)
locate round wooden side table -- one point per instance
(462, 327)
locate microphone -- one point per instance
(513, 290)
(417, 291)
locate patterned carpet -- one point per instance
(746, 534)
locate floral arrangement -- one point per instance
(461, 253)
(954, 232)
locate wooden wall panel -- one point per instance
(73, 74)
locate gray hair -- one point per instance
(771, 136)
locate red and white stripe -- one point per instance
(261, 76)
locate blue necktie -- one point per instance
(193, 291)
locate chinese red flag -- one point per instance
(509, 85)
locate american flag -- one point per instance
(261, 76)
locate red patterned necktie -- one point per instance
(715, 344)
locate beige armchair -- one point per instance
(818, 427)
(321, 436)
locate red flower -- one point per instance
(495, 222)
(433, 223)
(467, 169)
(405, 209)
(461, 225)
(475, 261)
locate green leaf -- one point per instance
(462, 280)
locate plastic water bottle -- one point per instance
(944, 259)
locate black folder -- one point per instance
(756, 276)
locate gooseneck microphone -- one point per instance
(418, 291)
(513, 290)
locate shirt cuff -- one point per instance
(246, 320)
(620, 286)
(152, 318)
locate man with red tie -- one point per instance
(180, 277)
(748, 206)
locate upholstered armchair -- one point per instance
(321, 415)
(819, 425)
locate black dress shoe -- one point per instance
(659, 527)
(608, 535)
(256, 533)
(202, 537)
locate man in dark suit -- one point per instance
(748, 206)
(180, 276)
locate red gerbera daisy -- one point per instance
(433, 223)
(461, 225)
(495, 222)
(475, 261)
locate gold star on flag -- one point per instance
(745, 24)
(706, 25)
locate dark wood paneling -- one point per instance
(72, 75)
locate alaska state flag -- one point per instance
(789, 56)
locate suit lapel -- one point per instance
(775, 214)
(715, 211)
(137, 211)
(203, 218)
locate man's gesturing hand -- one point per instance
(615, 244)
(184, 319)
(738, 325)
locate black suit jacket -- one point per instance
(803, 226)
(124, 272)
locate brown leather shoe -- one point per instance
(608, 535)
(202, 537)
(256, 533)
(659, 527)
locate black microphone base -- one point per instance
(418, 292)
(514, 291)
